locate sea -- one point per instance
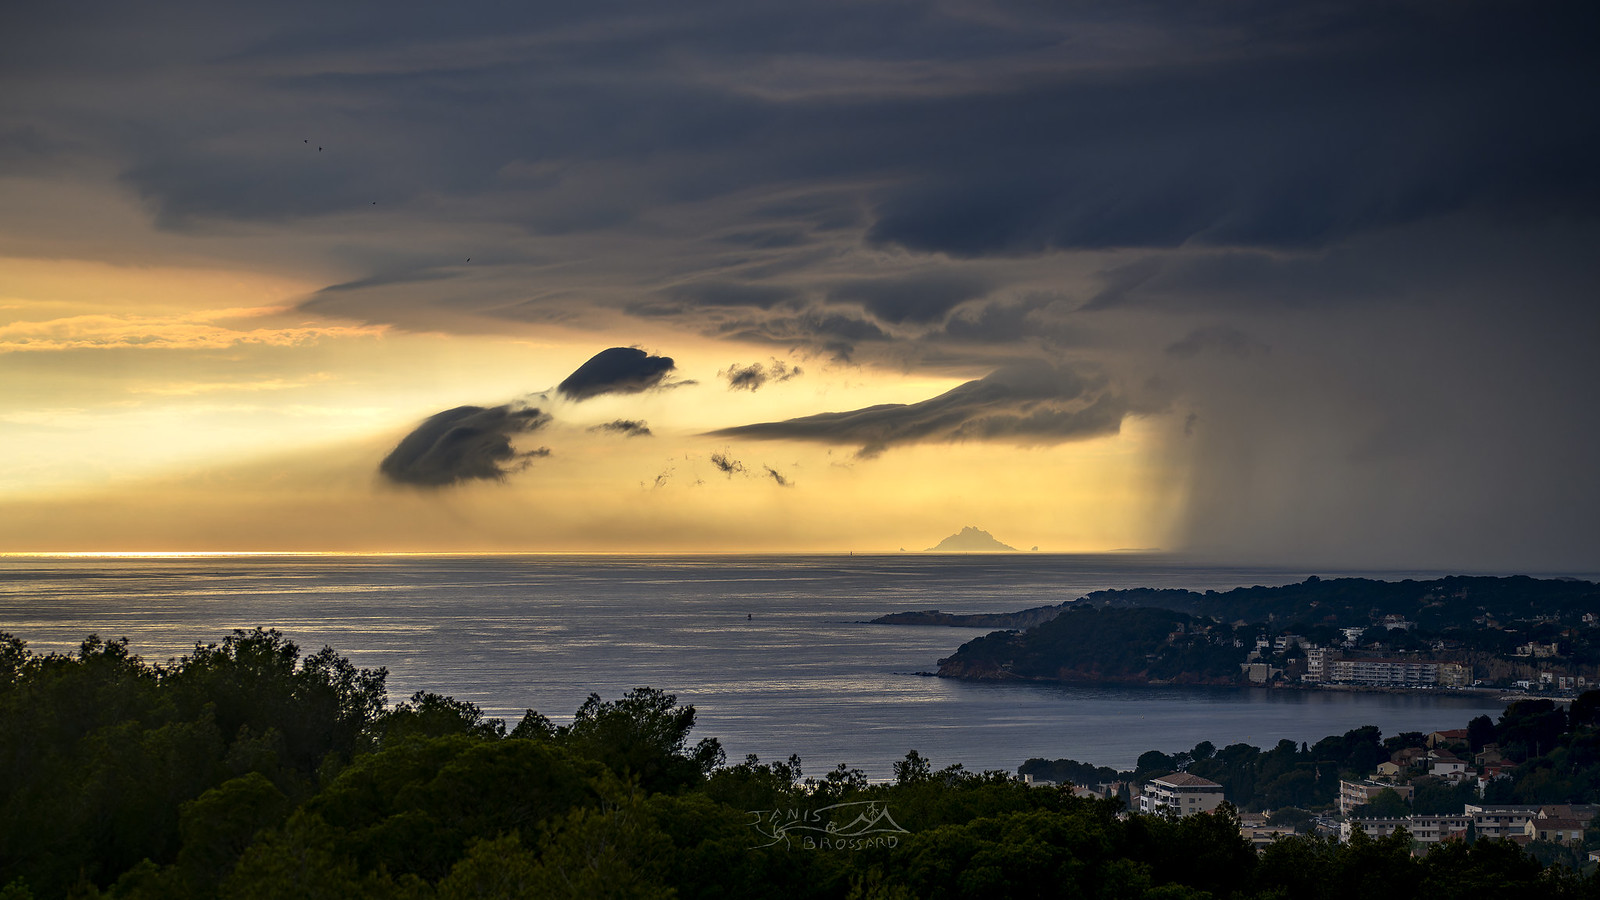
(774, 652)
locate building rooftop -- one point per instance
(1184, 779)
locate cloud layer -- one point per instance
(1031, 403)
(624, 427)
(619, 370)
(1359, 234)
(752, 377)
(468, 443)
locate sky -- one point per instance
(1305, 283)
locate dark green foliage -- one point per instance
(429, 715)
(1203, 852)
(1153, 762)
(754, 784)
(599, 853)
(495, 867)
(715, 853)
(1485, 870)
(534, 727)
(99, 751)
(1585, 710)
(1176, 636)
(1434, 604)
(1386, 804)
(644, 735)
(256, 684)
(1066, 771)
(414, 807)
(1316, 868)
(1032, 854)
(1356, 752)
(137, 782)
(1481, 731)
(1530, 728)
(303, 860)
(221, 823)
(1089, 645)
(913, 769)
(1437, 797)
(1403, 740)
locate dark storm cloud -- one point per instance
(1217, 339)
(618, 370)
(463, 444)
(753, 376)
(730, 293)
(1238, 124)
(919, 298)
(624, 427)
(837, 334)
(1031, 403)
(1198, 280)
(788, 134)
(1370, 188)
(1015, 321)
(1343, 121)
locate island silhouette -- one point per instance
(969, 539)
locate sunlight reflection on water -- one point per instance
(771, 650)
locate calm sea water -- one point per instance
(772, 650)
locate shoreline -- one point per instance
(1498, 694)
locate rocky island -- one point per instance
(969, 540)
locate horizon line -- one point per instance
(168, 554)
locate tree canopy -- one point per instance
(249, 770)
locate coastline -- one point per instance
(1498, 694)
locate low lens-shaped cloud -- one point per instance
(1032, 403)
(618, 370)
(468, 443)
(624, 427)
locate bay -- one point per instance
(773, 651)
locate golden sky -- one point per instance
(164, 408)
(285, 278)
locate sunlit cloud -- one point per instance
(212, 329)
(195, 388)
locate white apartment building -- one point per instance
(1501, 820)
(1354, 793)
(1423, 829)
(1317, 660)
(1397, 672)
(1181, 794)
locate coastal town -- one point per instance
(1457, 785)
(1514, 636)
